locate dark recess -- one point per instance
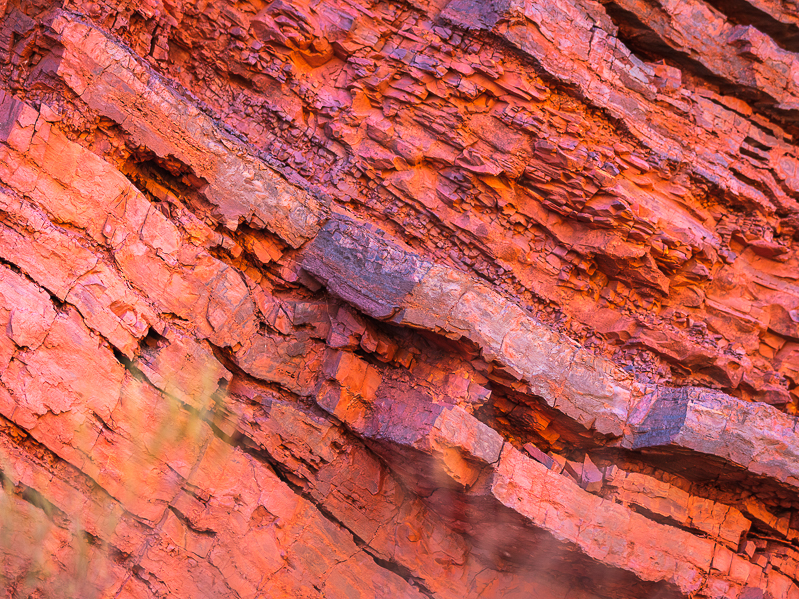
(649, 46)
(740, 12)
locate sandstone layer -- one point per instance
(437, 299)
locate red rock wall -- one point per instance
(444, 298)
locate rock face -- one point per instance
(438, 299)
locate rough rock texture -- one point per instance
(438, 299)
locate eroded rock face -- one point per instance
(373, 299)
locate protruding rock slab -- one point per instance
(364, 267)
(242, 187)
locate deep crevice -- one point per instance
(130, 366)
(641, 39)
(741, 12)
(400, 571)
(644, 41)
(59, 304)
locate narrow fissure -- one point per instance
(251, 448)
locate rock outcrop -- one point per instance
(446, 299)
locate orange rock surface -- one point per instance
(433, 299)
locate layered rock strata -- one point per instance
(377, 299)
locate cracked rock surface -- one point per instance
(370, 298)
